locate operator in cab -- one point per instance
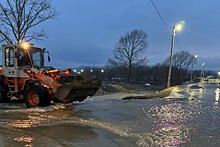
(24, 60)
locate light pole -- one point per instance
(206, 72)
(192, 66)
(218, 78)
(202, 71)
(178, 27)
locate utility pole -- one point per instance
(171, 58)
(202, 71)
(192, 67)
(94, 71)
(206, 72)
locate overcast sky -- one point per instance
(87, 30)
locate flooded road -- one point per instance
(188, 117)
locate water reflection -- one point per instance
(54, 135)
(216, 96)
(172, 123)
(214, 124)
(26, 140)
(196, 92)
(213, 119)
(29, 123)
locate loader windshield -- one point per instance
(35, 55)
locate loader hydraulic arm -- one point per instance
(60, 91)
(44, 79)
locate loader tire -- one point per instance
(36, 95)
(3, 94)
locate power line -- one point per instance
(178, 43)
(160, 16)
(165, 24)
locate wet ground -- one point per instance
(190, 116)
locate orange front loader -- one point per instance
(23, 76)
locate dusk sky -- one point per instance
(87, 30)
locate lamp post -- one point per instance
(206, 70)
(102, 71)
(192, 66)
(178, 27)
(202, 71)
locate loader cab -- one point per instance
(32, 58)
(16, 58)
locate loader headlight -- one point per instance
(25, 45)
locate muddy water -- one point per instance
(189, 117)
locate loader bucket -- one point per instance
(77, 90)
(69, 88)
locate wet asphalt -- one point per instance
(188, 117)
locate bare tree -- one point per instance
(181, 60)
(129, 50)
(19, 17)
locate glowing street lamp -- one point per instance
(91, 70)
(192, 66)
(178, 28)
(102, 70)
(82, 70)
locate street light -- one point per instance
(178, 28)
(202, 71)
(206, 72)
(218, 78)
(192, 66)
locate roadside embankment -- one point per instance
(108, 88)
(161, 94)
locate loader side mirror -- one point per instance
(48, 58)
(17, 54)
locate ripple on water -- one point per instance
(172, 123)
(26, 139)
(20, 107)
(28, 118)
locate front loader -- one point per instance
(23, 76)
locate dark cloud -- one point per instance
(87, 31)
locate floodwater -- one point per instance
(190, 116)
